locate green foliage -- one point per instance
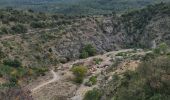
(2, 55)
(90, 50)
(123, 54)
(93, 80)
(87, 51)
(19, 28)
(97, 60)
(94, 94)
(39, 71)
(5, 70)
(19, 21)
(149, 82)
(84, 54)
(12, 74)
(13, 63)
(79, 72)
(5, 30)
(161, 49)
(38, 25)
(149, 56)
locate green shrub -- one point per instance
(2, 55)
(87, 51)
(5, 70)
(5, 30)
(161, 49)
(39, 71)
(123, 54)
(97, 60)
(84, 54)
(79, 72)
(38, 25)
(13, 63)
(19, 28)
(94, 94)
(149, 56)
(11, 74)
(93, 79)
(90, 49)
(13, 80)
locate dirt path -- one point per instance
(55, 78)
(68, 65)
(65, 68)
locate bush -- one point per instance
(12, 74)
(38, 25)
(2, 55)
(87, 51)
(39, 71)
(92, 81)
(123, 54)
(149, 56)
(5, 30)
(5, 70)
(19, 28)
(84, 54)
(79, 72)
(13, 63)
(97, 60)
(94, 94)
(161, 49)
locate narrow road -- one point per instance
(55, 78)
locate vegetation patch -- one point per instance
(79, 72)
(87, 51)
(94, 94)
(97, 61)
(92, 81)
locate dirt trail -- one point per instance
(55, 78)
(82, 89)
(70, 64)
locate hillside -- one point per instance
(79, 6)
(53, 36)
(33, 45)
